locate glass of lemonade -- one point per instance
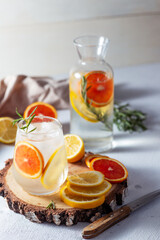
(92, 94)
(40, 163)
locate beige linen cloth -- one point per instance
(20, 91)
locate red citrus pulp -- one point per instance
(43, 109)
(113, 170)
(28, 160)
(100, 88)
(90, 157)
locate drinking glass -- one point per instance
(44, 138)
(92, 94)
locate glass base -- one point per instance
(96, 137)
(34, 186)
(98, 145)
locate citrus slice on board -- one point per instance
(113, 170)
(43, 109)
(86, 179)
(96, 191)
(100, 88)
(74, 147)
(28, 160)
(90, 157)
(7, 130)
(78, 201)
(54, 169)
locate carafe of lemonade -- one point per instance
(92, 94)
(39, 163)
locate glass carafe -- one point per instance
(92, 94)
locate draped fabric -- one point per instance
(20, 91)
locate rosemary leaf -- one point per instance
(98, 115)
(16, 120)
(23, 127)
(27, 121)
(32, 130)
(127, 119)
(32, 112)
(51, 205)
(30, 120)
(19, 114)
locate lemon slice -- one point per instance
(80, 107)
(97, 191)
(78, 201)
(74, 147)
(7, 130)
(86, 179)
(52, 176)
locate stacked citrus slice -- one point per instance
(113, 170)
(85, 190)
(90, 157)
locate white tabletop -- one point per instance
(140, 152)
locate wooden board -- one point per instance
(34, 207)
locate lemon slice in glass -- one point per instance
(52, 176)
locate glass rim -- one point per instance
(92, 37)
(41, 117)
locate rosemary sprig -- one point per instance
(98, 114)
(51, 205)
(27, 121)
(124, 118)
(127, 119)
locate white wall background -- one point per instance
(36, 35)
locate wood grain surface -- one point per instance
(34, 207)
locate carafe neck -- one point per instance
(91, 48)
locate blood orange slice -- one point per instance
(28, 160)
(89, 158)
(100, 88)
(43, 109)
(113, 170)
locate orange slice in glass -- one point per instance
(43, 109)
(113, 170)
(28, 160)
(100, 88)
